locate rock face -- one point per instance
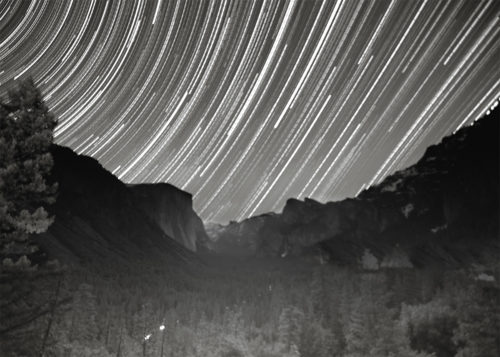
(98, 218)
(237, 238)
(172, 210)
(444, 209)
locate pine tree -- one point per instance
(369, 261)
(429, 327)
(319, 293)
(478, 331)
(26, 134)
(317, 341)
(290, 327)
(372, 329)
(84, 327)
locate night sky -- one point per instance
(248, 103)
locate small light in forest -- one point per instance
(162, 327)
(147, 337)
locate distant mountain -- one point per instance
(443, 209)
(237, 238)
(99, 218)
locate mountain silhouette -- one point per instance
(443, 209)
(98, 218)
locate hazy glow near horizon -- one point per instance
(247, 103)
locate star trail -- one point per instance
(248, 103)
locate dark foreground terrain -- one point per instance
(252, 307)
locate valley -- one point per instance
(409, 267)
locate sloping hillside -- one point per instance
(97, 217)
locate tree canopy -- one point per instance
(26, 134)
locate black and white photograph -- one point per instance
(249, 178)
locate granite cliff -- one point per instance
(172, 210)
(98, 218)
